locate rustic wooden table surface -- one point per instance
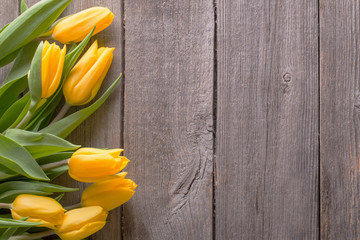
(241, 118)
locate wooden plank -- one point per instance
(9, 11)
(267, 120)
(340, 119)
(103, 128)
(168, 128)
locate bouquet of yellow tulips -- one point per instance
(34, 125)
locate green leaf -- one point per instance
(58, 198)
(12, 231)
(65, 126)
(9, 58)
(11, 223)
(8, 233)
(6, 174)
(17, 159)
(40, 144)
(35, 79)
(23, 113)
(26, 27)
(44, 122)
(3, 28)
(39, 124)
(22, 230)
(9, 93)
(16, 80)
(22, 62)
(55, 172)
(10, 190)
(13, 112)
(23, 6)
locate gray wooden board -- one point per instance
(340, 119)
(103, 128)
(267, 120)
(168, 126)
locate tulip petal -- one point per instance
(89, 151)
(74, 28)
(82, 233)
(60, 57)
(98, 165)
(92, 165)
(115, 152)
(109, 200)
(109, 193)
(45, 60)
(83, 65)
(82, 222)
(52, 62)
(87, 88)
(122, 162)
(38, 208)
(77, 218)
(104, 72)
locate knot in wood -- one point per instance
(357, 101)
(286, 77)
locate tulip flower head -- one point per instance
(93, 165)
(39, 209)
(52, 62)
(85, 78)
(82, 222)
(76, 27)
(110, 193)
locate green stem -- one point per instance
(62, 113)
(24, 120)
(5, 205)
(33, 236)
(54, 164)
(42, 39)
(77, 205)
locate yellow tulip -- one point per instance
(39, 209)
(82, 222)
(110, 193)
(85, 78)
(52, 62)
(76, 27)
(92, 165)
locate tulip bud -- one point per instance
(92, 165)
(110, 193)
(82, 222)
(76, 27)
(39, 209)
(85, 78)
(52, 62)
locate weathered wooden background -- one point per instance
(241, 118)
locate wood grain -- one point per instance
(340, 119)
(267, 120)
(103, 128)
(168, 128)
